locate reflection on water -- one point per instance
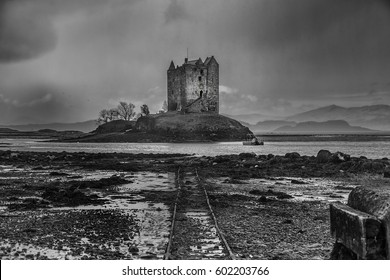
(370, 149)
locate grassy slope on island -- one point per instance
(173, 127)
(115, 126)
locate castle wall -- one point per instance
(196, 83)
(175, 88)
(213, 87)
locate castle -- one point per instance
(194, 86)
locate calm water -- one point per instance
(370, 149)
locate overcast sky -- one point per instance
(66, 60)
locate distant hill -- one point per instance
(268, 126)
(375, 117)
(336, 126)
(250, 118)
(86, 126)
(7, 130)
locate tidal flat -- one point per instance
(151, 206)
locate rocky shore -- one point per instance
(97, 206)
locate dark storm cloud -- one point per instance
(22, 35)
(175, 11)
(26, 27)
(307, 49)
(39, 103)
(274, 23)
(275, 55)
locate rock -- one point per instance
(276, 159)
(323, 156)
(386, 173)
(263, 199)
(284, 196)
(340, 252)
(269, 156)
(247, 155)
(377, 165)
(181, 217)
(148, 257)
(55, 173)
(293, 155)
(373, 200)
(298, 182)
(366, 166)
(314, 246)
(339, 157)
(133, 249)
(30, 230)
(256, 192)
(360, 232)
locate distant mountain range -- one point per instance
(270, 125)
(374, 117)
(358, 119)
(86, 126)
(336, 126)
(250, 119)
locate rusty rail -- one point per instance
(225, 243)
(168, 249)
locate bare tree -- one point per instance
(145, 110)
(104, 117)
(113, 114)
(126, 111)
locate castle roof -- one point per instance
(208, 60)
(172, 66)
(194, 62)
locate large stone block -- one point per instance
(374, 200)
(360, 232)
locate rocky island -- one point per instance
(192, 112)
(169, 127)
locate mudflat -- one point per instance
(156, 206)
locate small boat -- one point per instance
(252, 142)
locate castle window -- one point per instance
(201, 72)
(200, 78)
(201, 93)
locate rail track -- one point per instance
(194, 233)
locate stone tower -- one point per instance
(194, 86)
